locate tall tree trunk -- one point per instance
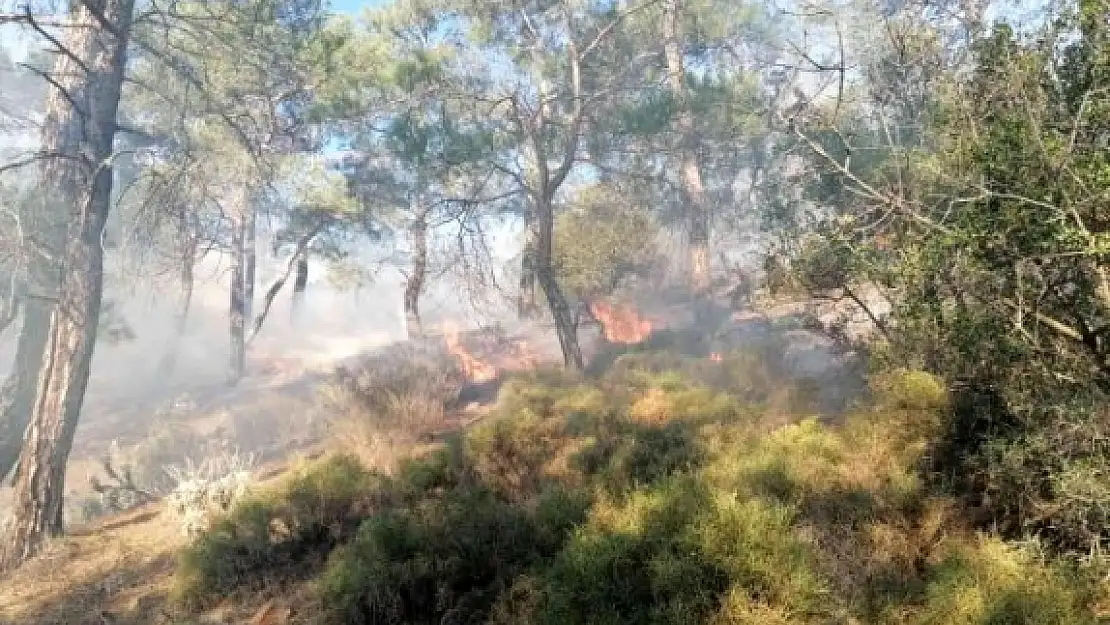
(250, 259)
(18, 392)
(237, 305)
(527, 307)
(414, 286)
(697, 204)
(80, 127)
(300, 285)
(565, 326)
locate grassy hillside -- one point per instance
(666, 490)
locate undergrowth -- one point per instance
(655, 493)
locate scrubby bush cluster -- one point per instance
(410, 369)
(386, 403)
(132, 475)
(208, 489)
(980, 229)
(646, 495)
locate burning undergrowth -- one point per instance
(766, 355)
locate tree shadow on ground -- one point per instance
(74, 591)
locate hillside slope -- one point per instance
(666, 489)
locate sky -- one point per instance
(354, 7)
(16, 42)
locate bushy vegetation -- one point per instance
(647, 496)
(382, 406)
(604, 239)
(990, 257)
(280, 532)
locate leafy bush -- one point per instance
(384, 405)
(601, 241)
(635, 561)
(656, 499)
(270, 534)
(989, 582)
(446, 562)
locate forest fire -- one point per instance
(620, 323)
(473, 368)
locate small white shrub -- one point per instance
(211, 488)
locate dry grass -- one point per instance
(386, 409)
(270, 424)
(118, 573)
(119, 570)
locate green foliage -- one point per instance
(569, 506)
(433, 559)
(635, 561)
(601, 240)
(994, 583)
(978, 214)
(281, 533)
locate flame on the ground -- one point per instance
(715, 356)
(620, 323)
(473, 368)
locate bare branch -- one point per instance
(31, 21)
(275, 288)
(608, 28)
(50, 79)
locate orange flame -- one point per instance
(473, 369)
(715, 356)
(620, 324)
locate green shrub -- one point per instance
(909, 390)
(231, 555)
(297, 523)
(650, 496)
(510, 454)
(668, 398)
(990, 583)
(755, 542)
(549, 393)
(635, 561)
(632, 455)
(325, 503)
(442, 560)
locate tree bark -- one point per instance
(80, 126)
(414, 285)
(527, 307)
(297, 262)
(565, 326)
(237, 305)
(697, 204)
(300, 285)
(250, 259)
(18, 392)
